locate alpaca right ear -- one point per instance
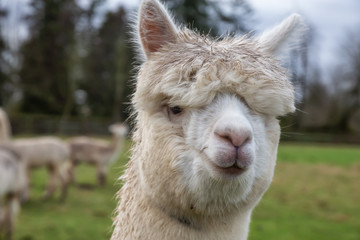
(155, 27)
(286, 36)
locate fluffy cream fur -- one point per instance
(206, 134)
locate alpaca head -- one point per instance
(119, 129)
(207, 134)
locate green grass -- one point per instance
(328, 154)
(315, 195)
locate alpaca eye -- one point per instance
(176, 110)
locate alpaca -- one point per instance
(37, 152)
(98, 152)
(12, 182)
(50, 152)
(206, 133)
(5, 129)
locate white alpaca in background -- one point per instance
(49, 152)
(98, 152)
(12, 183)
(206, 134)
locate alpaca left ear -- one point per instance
(286, 36)
(155, 27)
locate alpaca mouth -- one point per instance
(233, 170)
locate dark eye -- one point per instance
(176, 110)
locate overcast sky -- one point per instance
(332, 20)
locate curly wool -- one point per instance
(195, 69)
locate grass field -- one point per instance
(315, 195)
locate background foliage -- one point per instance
(77, 61)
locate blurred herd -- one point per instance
(19, 156)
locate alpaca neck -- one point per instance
(116, 147)
(145, 215)
(207, 227)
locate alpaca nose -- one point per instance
(236, 137)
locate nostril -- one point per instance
(247, 140)
(227, 138)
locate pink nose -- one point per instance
(235, 147)
(236, 137)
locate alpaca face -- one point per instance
(224, 141)
(213, 154)
(207, 133)
(223, 133)
(225, 147)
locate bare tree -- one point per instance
(346, 78)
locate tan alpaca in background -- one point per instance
(206, 134)
(98, 152)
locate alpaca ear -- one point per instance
(155, 27)
(285, 36)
